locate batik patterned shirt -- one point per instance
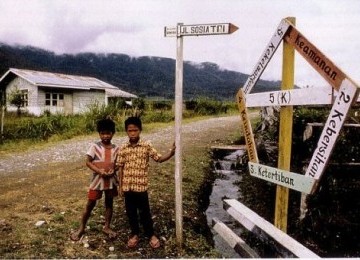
(135, 163)
(103, 158)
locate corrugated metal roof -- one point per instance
(41, 78)
(119, 93)
(49, 79)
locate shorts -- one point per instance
(97, 194)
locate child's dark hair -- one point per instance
(133, 120)
(105, 125)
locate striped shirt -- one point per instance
(135, 163)
(103, 158)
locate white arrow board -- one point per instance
(284, 178)
(293, 97)
(266, 56)
(347, 93)
(206, 29)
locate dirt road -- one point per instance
(74, 150)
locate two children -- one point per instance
(133, 165)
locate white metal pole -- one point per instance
(178, 151)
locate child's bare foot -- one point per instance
(133, 241)
(112, 234)
(76, 236)
(154, 242)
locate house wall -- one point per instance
(21, 84)
(80, 100)
(53, 109)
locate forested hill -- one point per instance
(144, 76)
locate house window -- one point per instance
(24, 97)
(54, 99)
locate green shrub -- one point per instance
(206, 106)
(157, 116)
(40, 128)
(162, 105)
(190, 104)
(139, 103)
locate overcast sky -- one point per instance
(136, 28)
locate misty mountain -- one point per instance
(144, 76)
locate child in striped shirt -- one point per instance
(100, 158)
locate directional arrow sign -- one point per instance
(266, 56)
(206, 29)
(284, 178)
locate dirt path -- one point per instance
(71, 151)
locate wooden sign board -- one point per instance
(266, 56)
(284, 178)
(293, 97)
(266, 231)
(206, 29)
(233, 240)
(200, 29)
(348, 92)
(247, 129)
(324, 66)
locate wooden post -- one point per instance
(178, 151)
(2, 102)
(285, 135)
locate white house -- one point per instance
(57, 93)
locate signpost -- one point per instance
(179, 31)
(343, 94)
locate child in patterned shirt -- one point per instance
(133, 162)
(100, 158)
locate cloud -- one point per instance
(135, 27)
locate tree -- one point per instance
(17, 99)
